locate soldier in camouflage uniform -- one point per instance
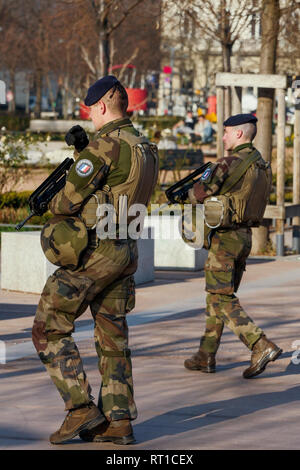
(228, 251)
(95, 273)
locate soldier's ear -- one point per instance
(102, 107)
(239, 133)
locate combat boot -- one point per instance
(203, 361)
(78, 419)
(118, 432)
(263, 352)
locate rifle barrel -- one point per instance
(20, 225)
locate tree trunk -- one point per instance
(65, 95)
(51, 96)
(106, 54)
(38, 85)
(27, 94)
(270, 26)
(226, 53)
(104, 45)
(12, 103)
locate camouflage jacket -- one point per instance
(105, 159)
(212, 179)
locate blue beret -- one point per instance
(96, 91)
(240, 119)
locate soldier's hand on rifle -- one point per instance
(184, 195)
(77, 137)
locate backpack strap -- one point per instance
(239, 172)
(131, 139)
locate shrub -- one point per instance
(14, 199)
(9, 215)
(14, 208)
(288, 197)
(13, 154)
(288, 179)
(14, 122)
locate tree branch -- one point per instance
(86, 58)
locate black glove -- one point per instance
(77, 137)
(184, 195)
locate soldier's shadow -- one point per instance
(195, 417)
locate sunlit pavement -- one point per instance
(178, 409)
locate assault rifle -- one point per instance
(40, 198)
(178, 192)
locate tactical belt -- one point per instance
(93, 240)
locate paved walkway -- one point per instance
(178, 409)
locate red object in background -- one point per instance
(212, 104)
(137, 99)
(84, 111)
(167, 69)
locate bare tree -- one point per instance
(221, 22)
(270, 15)
(104, 17)
(75, 42)
(38, 23)
(11, 44)
(289, 35)
(275, 21)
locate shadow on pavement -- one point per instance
(9, 311)
(172, 277)
(11, 437)
(195, 417)
(253, 260)
(184, 314)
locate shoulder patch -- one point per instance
(206, 174)
(84, 167)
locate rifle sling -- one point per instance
(239, 172)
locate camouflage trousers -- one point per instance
(223, 273)
(104, 282)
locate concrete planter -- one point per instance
(25, 268)
(170, 251)
(59, 125)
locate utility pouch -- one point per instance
(89, 213)
(218, 212)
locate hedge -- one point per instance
(288, 179)
(160, 122)
(14, 199)
(14, 122)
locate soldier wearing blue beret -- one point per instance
(100, 88)
(119, 163)
(243, 178)
(239, 119)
